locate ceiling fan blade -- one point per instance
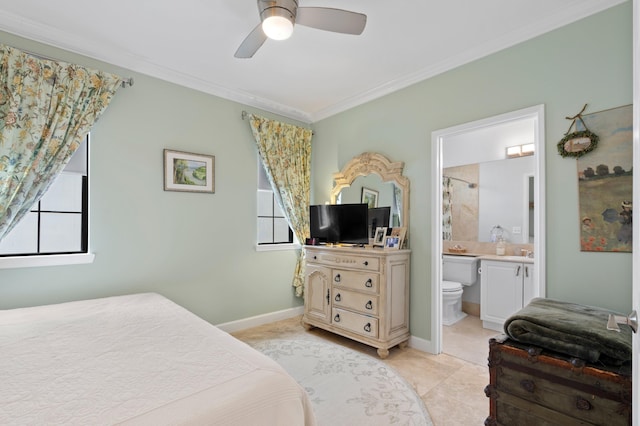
(251, 43)
(329, 19)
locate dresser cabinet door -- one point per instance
(317, 293)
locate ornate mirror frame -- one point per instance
(372, 162)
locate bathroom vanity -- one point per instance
(506, 285)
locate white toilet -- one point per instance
(457, 271)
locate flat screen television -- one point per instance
(339, 223)
(377, 216)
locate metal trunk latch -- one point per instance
(631, 320)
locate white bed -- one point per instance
(138, 359)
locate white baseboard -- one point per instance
(421, 344)
(242, 324)
(250, 322)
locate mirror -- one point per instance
(483, 195)
(488, 181)
(374, 175)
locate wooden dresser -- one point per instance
(359, 293)
(531, 387)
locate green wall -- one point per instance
(198, 249)
(587, 62)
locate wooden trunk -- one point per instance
(530, 386)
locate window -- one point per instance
(58, 223)
(273, 228)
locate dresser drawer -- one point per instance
(354, 280)
(365, 303)
(356, 323)
(363, 263)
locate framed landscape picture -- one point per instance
(369, 197)
(185, 171)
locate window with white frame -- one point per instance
(273, 228)
(58, 223)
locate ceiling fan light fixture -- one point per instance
(278, 17)
(277, 27)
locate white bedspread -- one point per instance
(138, 359)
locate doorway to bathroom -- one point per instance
(477, 157)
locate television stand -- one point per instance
(359, 293)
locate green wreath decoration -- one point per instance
(593, 138)
(567, 149)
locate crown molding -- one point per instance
(53, 37)
(582, 10)
(114, 55)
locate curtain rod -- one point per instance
(125, 81)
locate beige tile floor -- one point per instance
(450, 384)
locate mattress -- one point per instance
(136, 360)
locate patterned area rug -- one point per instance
(346, 387)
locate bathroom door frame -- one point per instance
(438, 138)
(635, 294)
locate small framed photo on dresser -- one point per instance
(379, 237)
(400, 233)
(392, 243)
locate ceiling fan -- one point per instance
(279, 16)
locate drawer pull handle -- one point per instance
(337, 278)
(338, 297)
(528, 385)
(583, 404)
(369, 283)
(315, 257)
(367, 327)
(336, 318)
(366, 263)
(369, 305)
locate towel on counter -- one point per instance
(576, 330)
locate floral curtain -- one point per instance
(447, 192)
(285, 151)
(46, 109)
